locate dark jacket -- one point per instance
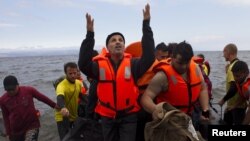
(92, 99)
(138, 66)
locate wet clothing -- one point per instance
(19, 111)
(70, 93)
(67, 96)
(121, 129)
(64, 127)
(30, 135)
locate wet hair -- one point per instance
(162, 47)
(10, 81)
(184, 50)
(171, 46)
(231, 48)
(240, 66)
(69, 64)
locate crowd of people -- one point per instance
(126, 93)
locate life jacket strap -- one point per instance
(119, 113)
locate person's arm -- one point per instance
(92, 99)
(204, 100)
(85, 62)
(41, 97)
(60, 101)
(230, 93)
(158, 84)
(61, 106)
(147, 59)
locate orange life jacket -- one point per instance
(244, 90)
(203, 68)
(83, 91)
(198, 60)
(180, 93)
(116, 91)
(147, 76)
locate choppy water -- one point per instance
(40, 71)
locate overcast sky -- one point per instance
(48, 24)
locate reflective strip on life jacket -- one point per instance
(147, 76)
(116, 91)
(180, 93)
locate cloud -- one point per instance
(12, 14)
(208, 38)
(125, 2)
(235, 2)
(61, 3)
(24, 4)
(8, 25)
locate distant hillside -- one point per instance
(37, 52)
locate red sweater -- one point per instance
(19, 111)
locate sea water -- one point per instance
(40, 71)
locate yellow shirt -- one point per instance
(229, 78)
(71, 93)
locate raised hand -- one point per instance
(146, 12)
(90, 23)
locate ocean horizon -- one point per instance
(38, 52)
(56, 51)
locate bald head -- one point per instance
(231, 49)
(230, 52)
